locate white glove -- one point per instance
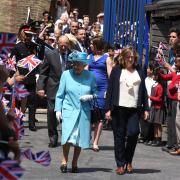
(58, 115)
(37, 77)
(87, 97)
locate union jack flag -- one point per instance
(11, 63)
(7, 42)
(5, 89)
(20, 91)
(10, 169)
(18, 113)
(42, 157)
(18, 124)
(160, 55)
(5, 102)
(2, 61)
(30, 62)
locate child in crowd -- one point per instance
(157, 108)
(146, 127)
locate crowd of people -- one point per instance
(86, 85)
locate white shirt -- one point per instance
(81, 47)
(149, 82)
(129, 88)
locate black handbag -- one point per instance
(96, 113)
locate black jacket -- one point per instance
(112, 96)
(20, 51)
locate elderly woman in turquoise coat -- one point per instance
(77, 88)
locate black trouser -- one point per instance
(31, 104)
(51, 118)
(125, 123)
(171, 126)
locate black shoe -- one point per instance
(32, 128)
(148, 143)
(51, 145)
(166, 148)
(156, 143)
(75, 170)
(141, 140)
(63, 168)
(53, 141)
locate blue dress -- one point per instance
(99, 69)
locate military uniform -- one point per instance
(22, 50)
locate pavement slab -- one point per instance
(150, 163)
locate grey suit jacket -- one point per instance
(50, 73)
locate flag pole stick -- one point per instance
(3, 142)
(29, 72)
(13, 100)
(28, 15)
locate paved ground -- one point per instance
(150, 163)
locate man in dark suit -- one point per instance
(50, 72)
(82, 42)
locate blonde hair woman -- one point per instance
(126, 98)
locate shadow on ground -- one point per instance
(146, 171)
(89, 170)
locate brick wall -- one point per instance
(14, 12)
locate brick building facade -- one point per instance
(14, 12)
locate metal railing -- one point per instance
(127, 24)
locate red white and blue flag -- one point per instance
(11, 63)
(18, 124)
(20, 91)
(160, 55)
(18, 113)
(5, 102)
(2, 61)
(42, 157)
(7, 42)
(10, 170)
(30, 62)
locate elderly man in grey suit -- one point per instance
(55, 62)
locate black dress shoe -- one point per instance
(52, 145)
(75, 169)
(63, 168)
(36, 120)
(32, 128)
(167, 149)
(53, 141)
(156, 143)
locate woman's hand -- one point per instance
(146, 115)
(41, 93)
(168, 67)
(87, 97)
(108, 115)
(19, 78)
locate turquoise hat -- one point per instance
(77, 56)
